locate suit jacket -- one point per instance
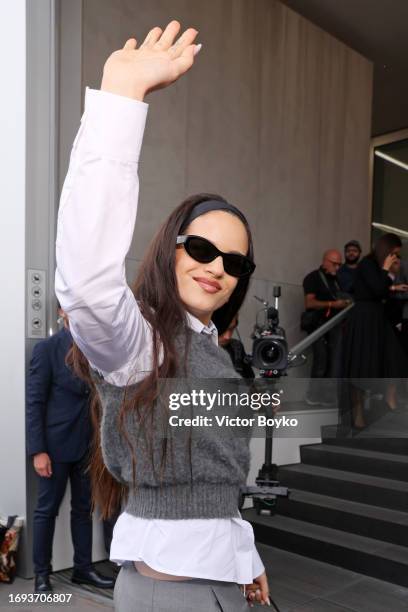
(57, 410)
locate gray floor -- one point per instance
(297, 584)
(81, 600)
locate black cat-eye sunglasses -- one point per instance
(204, 251)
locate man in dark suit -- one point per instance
(58, 440)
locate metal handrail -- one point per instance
(304, 344)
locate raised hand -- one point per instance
(133, 72)
(389, 261)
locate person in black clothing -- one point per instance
(394, 305)
(236, 350)
(371, 348)
(58, 440)
(322, 294)
(397, 305)
(347, 272)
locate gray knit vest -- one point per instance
(203, 471)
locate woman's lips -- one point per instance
(208, 285)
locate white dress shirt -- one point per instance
(95, 227)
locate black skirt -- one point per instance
(371, 346)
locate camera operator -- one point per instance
(236, 350)
(323, 299)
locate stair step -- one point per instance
(354, 552)
(376, 463)
(354, 486)
(385, 441)
(362, 519)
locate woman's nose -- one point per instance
(216, 266)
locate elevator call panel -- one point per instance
(36, 304)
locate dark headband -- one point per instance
(209, 205)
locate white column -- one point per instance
(12, 257)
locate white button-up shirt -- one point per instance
(95, 227)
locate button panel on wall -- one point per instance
(36, 307)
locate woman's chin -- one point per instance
(201, 312)
(202, 306)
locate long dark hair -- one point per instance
(157, 295)
(384, 246)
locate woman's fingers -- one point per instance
(183, 42)
(262, 583)
(130, 44)
(186, 59)
(168, 36)
(155, 64)
(255, 596)
(152, 37)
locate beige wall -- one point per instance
(275, 116)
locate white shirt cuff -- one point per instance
(114, 125)
(258, 567)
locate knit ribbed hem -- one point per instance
(184, 501)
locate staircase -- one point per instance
(348, 506)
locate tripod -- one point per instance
(265, 494)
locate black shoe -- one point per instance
(92, 577)
(42, 584)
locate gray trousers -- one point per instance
(136, 593)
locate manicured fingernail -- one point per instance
(197, 49)
(268, 601)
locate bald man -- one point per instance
(322, 295)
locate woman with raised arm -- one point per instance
(181, 541)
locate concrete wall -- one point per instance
(275, 116)
(13, 187)
(29, 186)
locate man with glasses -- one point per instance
(323, 299)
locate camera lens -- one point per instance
(270, 353)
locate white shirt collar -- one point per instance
(199, 327)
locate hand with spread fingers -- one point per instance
(133, 72)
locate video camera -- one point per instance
(270, 356)
(270, 348)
